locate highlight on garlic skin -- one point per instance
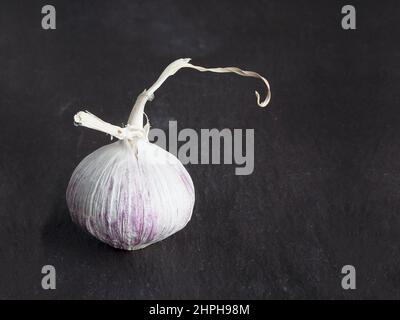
(132, 193)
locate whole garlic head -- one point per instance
(130, 196)
(132, 193)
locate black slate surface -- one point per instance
(325, 189)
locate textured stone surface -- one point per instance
(324, 192)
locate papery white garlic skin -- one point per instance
(130, 194)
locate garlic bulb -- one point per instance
(132, 193)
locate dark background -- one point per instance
(325, 189)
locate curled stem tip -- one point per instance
(136, 116)
(243, 73)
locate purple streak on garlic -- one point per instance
(132, 193)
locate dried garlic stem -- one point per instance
(135, 122)
(136, 116)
